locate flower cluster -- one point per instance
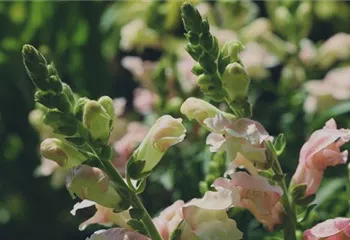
(108, 156)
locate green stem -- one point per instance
(289, 226)
(135, 200)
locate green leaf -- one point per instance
(280, 144)
(77, 141)
(304, 214)
(298, 191)
(136, 213)
(135, 167)
(306, 200)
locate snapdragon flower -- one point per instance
(335, 48)
(103, 215)
(117, 233)
(93, 184)
(235, 136)
(332, 229)
(326, 93)
(167, 131)
(319, 152)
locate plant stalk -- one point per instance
(289, 227)
(135, 200)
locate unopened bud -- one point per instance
(55, 83)
(207, 61)
(235, 82)
(166, 132)
(198, 109)
(303, 18)
(192, 37)
(197, 70)
(108, 105)
(36, 67)
(79, 108)
(191, 18)
(93, 184)
(96, 120)
(284, 21)
(232, 49)
(64, 154)
(69, 93)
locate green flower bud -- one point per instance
(69, 93)
(79, 108)
(166, 132)
(93, 184)
(35, 65)
(55, 84)
(232, 49)
(96, 120)
(197, 69)
(51, 100)
(284, 21)
(191, 18)
(192, 37)
(107, 104)
(235, 82)
(207, 61)
(64, 154)
(303, 18)
(198, 109)
(205, 26)
(194, 52)
(53, 118)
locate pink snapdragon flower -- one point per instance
(319, 152)
(256, 194)
(125, 146)
(323, 94)
(117, 234)
(103, 215)
(241, 135)
(144, 100)
(169, 219)
(332, 229)
(335, 48)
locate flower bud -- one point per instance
(284, 21)
(108, 105)
(97, 120)
(69, 93)
(61, 152)
(235, 82)
(192, 37)
(93, 184)
(191, 18)
(198, 109)
(232, 49)
(79, 108)
(51, 100)
(36, 67)
(303, 18)
(207, 61)
(166, 132)
(55, 83)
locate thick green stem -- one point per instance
(289, 226)
(135, 200)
